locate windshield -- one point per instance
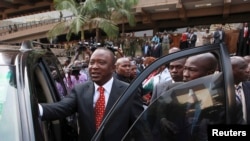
(184, 111)
(9, 113)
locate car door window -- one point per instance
(188, 106)
(46, 92)
(47, 87)
(56, 72)
(184, 111)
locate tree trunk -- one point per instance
(97, 35)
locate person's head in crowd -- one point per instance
(139, 59)
(148, 60)
(240, 69)
(173, 49)
(176, 69)
(133, 70)
(199, 65)
(101, 65)
(123, 67)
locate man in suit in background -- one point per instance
(176, 71)
(122, 71)
(242, 86)
(219, 35)
(194, 67)
(156, 49)
(84, 98)
(243, 42)
(192, 39)
(146, 49)
(199, 65)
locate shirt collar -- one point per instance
(107, 86)
(240, 84)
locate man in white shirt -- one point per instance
(83, 99)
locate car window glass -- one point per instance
(44, 95)
(183, 112)
(57, 73)
(49, 93)
(9, 112)
(223, 67)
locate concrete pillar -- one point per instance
(4, 15)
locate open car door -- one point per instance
(184, 111)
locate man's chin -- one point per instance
(95, 79)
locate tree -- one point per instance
(99, 17)
(88, 15)
(123, 11)
(73, 26)
(93, 14)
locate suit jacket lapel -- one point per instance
(114, 95)
(87, 98)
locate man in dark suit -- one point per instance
(242, 86)
(192, 39)
(243, 42)
(219, 35)
(83, 99)
(146, 49)
(194, 67)
(122, 71)
(156, 49)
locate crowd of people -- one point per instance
(102, 67)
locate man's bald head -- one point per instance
(173, 49)
(121, 60)
(199, 65)
(123, 66)
(240, 69)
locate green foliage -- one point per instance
(93, 14)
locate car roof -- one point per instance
(9, 52)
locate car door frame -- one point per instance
(226, 68)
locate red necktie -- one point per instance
(99, 108)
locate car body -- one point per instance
(30, 75)
(185, 111)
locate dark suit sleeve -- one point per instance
(154, 93)
(139, 129)
(137, 107)
(160, 52)
(62, 109)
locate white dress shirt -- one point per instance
(107, 89)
